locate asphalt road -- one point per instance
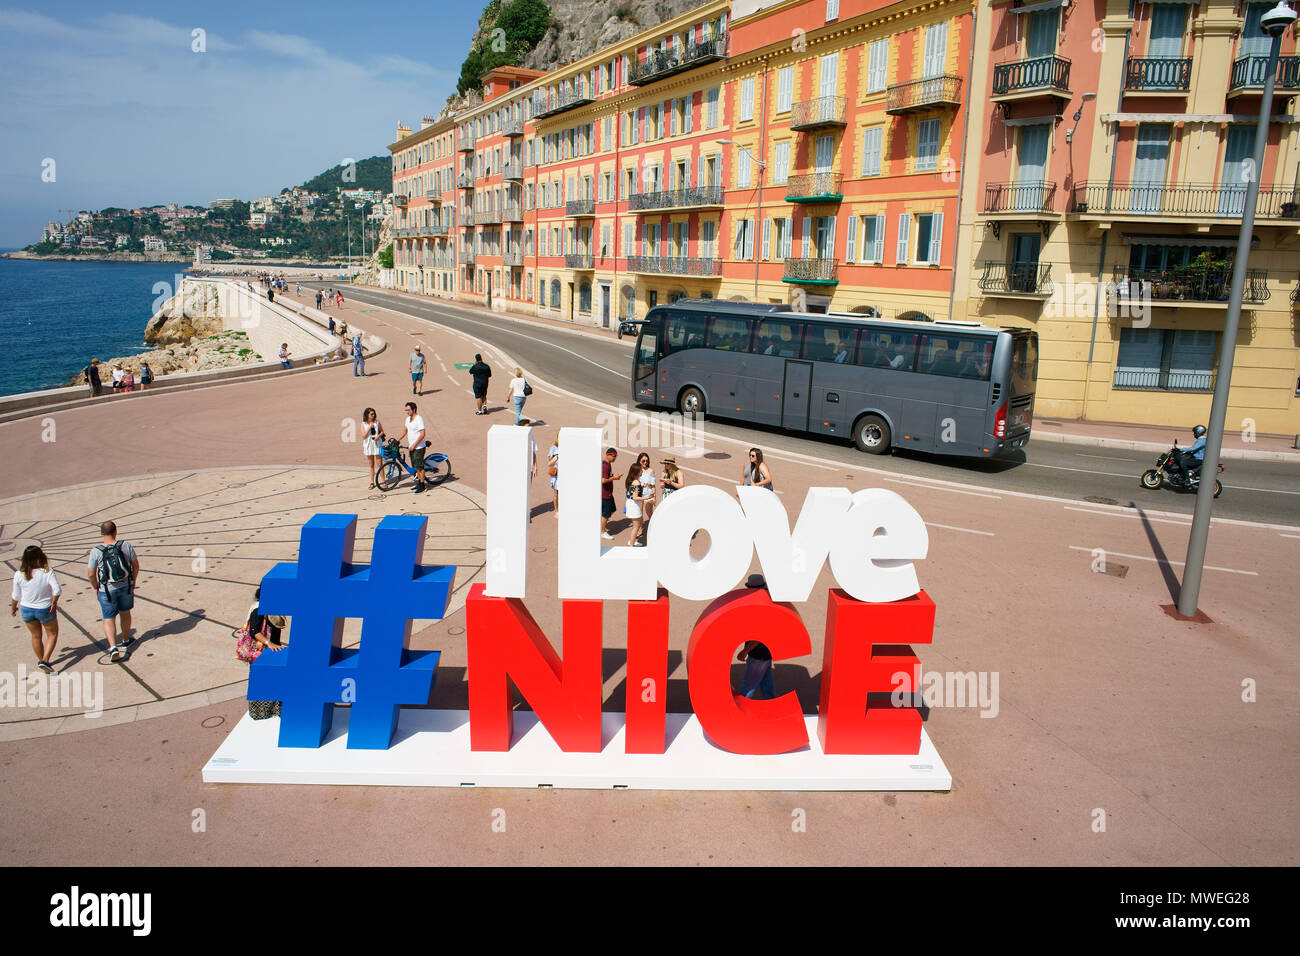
(599, 369)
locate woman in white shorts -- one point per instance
(372, 437)
(36, 590)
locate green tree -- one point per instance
(386, 257)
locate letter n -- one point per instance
(866, 646)
(506, 645)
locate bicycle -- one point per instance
(437, 467)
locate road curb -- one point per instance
(1096, 441)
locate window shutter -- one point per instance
(740, 236)
(851, 244)
(807, 237)
(767, 238)
(831, 232)
(936, 238)
(904, 227)
(787, 240)
(645, 239)
(872, 141)
(747, 99)
(699, 170)
(688, 108)
(627, 239)
(785, 89)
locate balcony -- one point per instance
(432, 230)
(931, 93)
(465, 181)
(432, 195)
(580, 208)
(1043, 75)
(511, 212)
(487, 215)
(466, 257)
(465, 144)
(513, 127)
(512, 257)
(1158, 75)
(400, 200)
(1248, 74)
(818, 113)
(815, 188)
(467, 217)
(675, 266)
(1187, 285)
(1019, 280)
(685, 197)
(543, 109)
(661, 64)
(1158, 380)
(579, 260)
(811, 271)
(513, 169)
(1185, 201)
(1025, 200)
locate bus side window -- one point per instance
(729, 334)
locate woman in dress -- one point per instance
(648, 497)
(372, 439)
(36, 591)
(632, 505)
(756, 472)
(672, 479)
(128, 380)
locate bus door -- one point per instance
(795, 394)
(643, 367)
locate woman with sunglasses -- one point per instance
(756, 472)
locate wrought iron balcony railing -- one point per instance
(432, 195)
(513, 257)
(663, 63)
(464, 144)
(467, 257)
(1017, 278)
(1164, 380)
(513, 127)
(467, 217)
(1248, 73)
(513, 169)
(1190, 283)
(559, 104)
(680, 198)
(815, 188)
(1158, 73)
(487, 215)
(579, 260)
(465, 181)
(511, 212)
(400, 200)
(812, 271)
(1185, 200)
(819, 112)
(1025, 76)
(923, 94)
(580, 207)
(1026, 197)
(675, 265)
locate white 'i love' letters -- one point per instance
(871, 537)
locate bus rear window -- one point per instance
(1024, 364)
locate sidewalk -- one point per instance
(1236, 444)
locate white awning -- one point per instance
(1183, 239)
(1192, 118)
(1032, 120)
(1044, 5)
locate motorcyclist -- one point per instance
(1192, 457)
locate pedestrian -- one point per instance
(553, 470)
(372, 441)
(358, 356)
(112, 570)
(519, 391)
(338, 298)
(757, 682)
(607, 479)
(331, 324)
(647, 497)
(480, 372)
(673, 478)
(92, 379)
(270, 295)
(297, 289)
(261, 632)
(343, 330)
(117, 377)
(284, 355)
(635, 494)
(36, 591)
(319, 297)
(416, 444)
(417, 372)
(146, 376)
(756, 473)
(128, 380)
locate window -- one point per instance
(688, 112)
(872, 148)
(728, 334)
(929, 238)
(767, 239)
(927, 144)
(628, 239)
(832, 10)
(584, 297)
(555, 293)
(873, 239)
(936, 50)
(781, 164)
(955, 356)
(711, 109)
(784, 88)
(895, 350)
(778, 337)
(744, 246)
(829, 343)
(743, 166)
(706, 240)
(684, 330)
(746, 99)
(904, 235)
(1166, 359)
(851, 246)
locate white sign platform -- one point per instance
(431, 749)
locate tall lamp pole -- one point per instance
(1274, 23)
(758, 214)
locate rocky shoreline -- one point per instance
(184, 344)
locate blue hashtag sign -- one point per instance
(315, 672)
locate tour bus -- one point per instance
(957, 388)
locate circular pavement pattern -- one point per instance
(204, 540)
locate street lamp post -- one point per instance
(758, 211)
(1274, 23)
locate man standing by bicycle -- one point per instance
(416, 444)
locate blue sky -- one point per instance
(132, 115)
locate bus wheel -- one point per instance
(691, 402)
(871, 434)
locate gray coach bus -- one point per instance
(957, 388)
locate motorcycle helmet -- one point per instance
(1198, 431)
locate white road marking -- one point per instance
(1084, 471)
(1127, 514)
(931, 524)
(1271, 491)
(958, 491)
(1143, 557)
(1104, 457)
(1296, 536)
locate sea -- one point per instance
(57, 316)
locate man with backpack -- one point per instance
(112, 570)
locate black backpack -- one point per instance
(115, 573)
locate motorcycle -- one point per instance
(1168, 471)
